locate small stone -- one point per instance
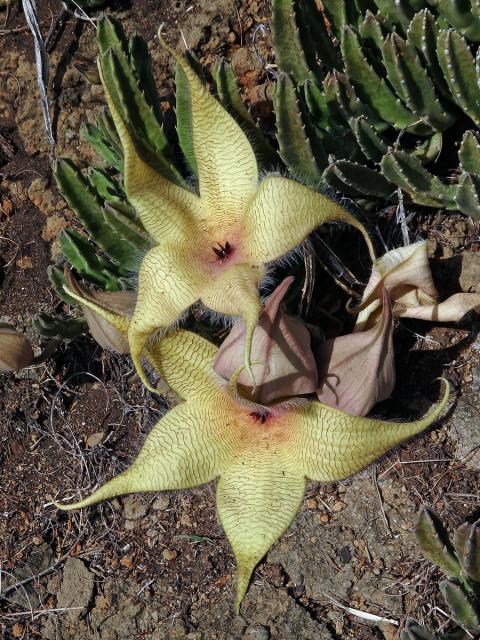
(17, 630)
(134, 507)
(186, 520)
(24, 263)
(6, 206)
(37, 540)
(77, 587)
(95, 439)
(44, 198)
(311, 503)
(470, 274)
(244, 62)
(169, 554)
(54, 225)
(127, 561)
(258, 632)
(325, 518)
(339, 505)
(178, 629)
(160, 503)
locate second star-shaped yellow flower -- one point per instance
(211, 244)
(261, 455)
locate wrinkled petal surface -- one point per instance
(283, 213)
(226, 163)
(185, 449)
(235, 293)
(169, 282)
(283, 360)
(257, 500)
(358, 370)
(262, 455)
(331, 444)
(167, 210)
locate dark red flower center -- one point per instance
(261, 417)
(223, 250)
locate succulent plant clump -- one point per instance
(376, 96)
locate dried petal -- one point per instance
(118, 302)
(358, 370)
(285, 365)
(452, 310)
(405, 273)
(15, 350)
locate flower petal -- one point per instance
(226, 164)
(186, 448)
(165, 209)
(185, 361)
(283, 213)
(405, 273)
(331, 445)
(283, 360)
(118, 303)
(15, 350)
(452, 310)
(235, 293)
(358, 370)
(169, 283)
(258, 496)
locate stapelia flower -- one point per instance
(15, 350)
(211, 245)
(405, 273)
(261, 456)
(357, 370)
(282, 358)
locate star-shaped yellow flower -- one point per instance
(211, 244)
(261, 456)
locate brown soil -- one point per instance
(159, 566)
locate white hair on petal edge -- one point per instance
(293, 403)
(217, 319)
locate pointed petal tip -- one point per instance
(138, 341)
(137, 363)
(63, 507)
(437, 410)
(165, 45)
(245, 569)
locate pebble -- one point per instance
(134, 507)
(160, 503)
(169, 554)
(258, 632)
(95, 439)
(178, 629)
(186, 520)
